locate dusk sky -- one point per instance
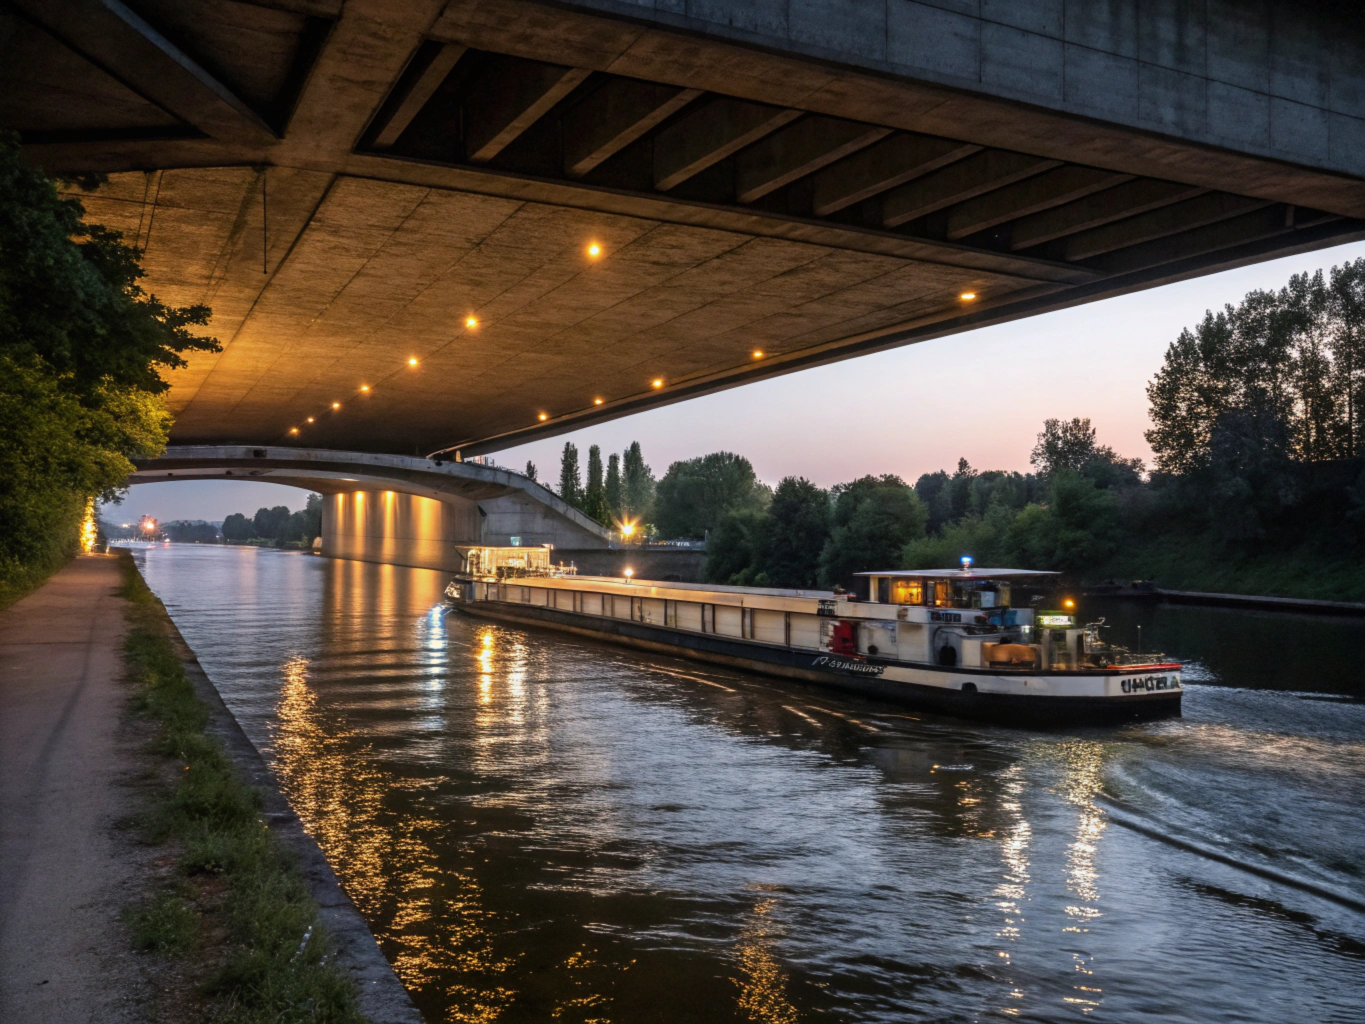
(982, 395)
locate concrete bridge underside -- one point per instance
(395, 509)
(356, 185)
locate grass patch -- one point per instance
(166, 923)
(272, 964)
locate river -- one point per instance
(542, 828)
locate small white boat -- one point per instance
(947, 640)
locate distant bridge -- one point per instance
(392, 508)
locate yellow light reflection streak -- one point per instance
(763, 988)
(388, 867)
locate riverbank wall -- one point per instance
(381, 995)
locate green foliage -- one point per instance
(167, 924)
(799, 518)
(277, 526)
(594, 495)
(276, 968)
(570, 480)
(637, 485)
(694, 495)
(237, 528)
(530, 470)
(1070, 446)
(738, 548)
(874, 518)
(611, 489)
(1296, 356)
(81, 345)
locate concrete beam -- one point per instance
(797, 150)
(881, 167)
(1033, 195)
(1169, 220)
(959, 182)
(1127, 200)
(1256, 226)
(508, 100)
(118, 39)
(437, 64)
(719, 129)
(615, 116)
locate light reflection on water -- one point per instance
(540, 828)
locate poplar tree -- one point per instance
(637, 497)
(612, 488)
(530, 470)
(570, 483)
(594, 497)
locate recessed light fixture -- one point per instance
(336, 405)
(412, 361)
(967, 296)
(310, 419)
(293, 430)
(597, 401)
(758, 353)
(657, 384)
(364, 387)
(469, 321)
(544, 416)
(594, 250)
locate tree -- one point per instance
(269, 523)
(237, 528)
(637, 484)
(695, 494)
(594, 496)
(738, 548)
(530, 470)
(611, 490)
(570, 484)
(797, 530)
(80, 349)
(874, 518)
(1078, 529)
(191, 531)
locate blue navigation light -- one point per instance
(966, 563)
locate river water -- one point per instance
(540, 828)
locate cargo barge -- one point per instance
(944, 640)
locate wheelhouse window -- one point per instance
(908, 592)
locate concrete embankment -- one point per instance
(72, 767)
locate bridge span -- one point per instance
(436, 224)
(392, 508)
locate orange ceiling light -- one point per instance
(758, 353)
(597, 401)
(293, 430)
(412, 360)
(967, 296)
(364, 387)
(544, 416)
(657, 383)
(310, 419)
(470, 321)
(336, 405)
(594, 250)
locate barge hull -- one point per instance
(1031, 710)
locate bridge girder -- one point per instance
(348, 185)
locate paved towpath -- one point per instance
(68, 765)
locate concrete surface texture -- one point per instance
(432, 223)
(67, 776)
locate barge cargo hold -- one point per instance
(941, 640)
